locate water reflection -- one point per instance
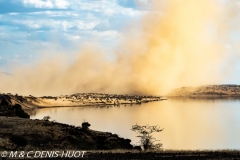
(187, 123)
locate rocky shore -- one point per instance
(26, 134)
(18, 132)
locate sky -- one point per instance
(52, 47)
(31, 28)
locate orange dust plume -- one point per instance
(185, 45)
(178, 43)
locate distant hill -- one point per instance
(224, 90)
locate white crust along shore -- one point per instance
(78, 99)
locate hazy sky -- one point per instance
(30, 28)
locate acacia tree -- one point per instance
(147, 141)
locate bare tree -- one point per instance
(147, 141)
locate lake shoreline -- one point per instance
(145, 111)
(77, 100)
(89, 105)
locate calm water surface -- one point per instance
(188, 124)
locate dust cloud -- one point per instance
(179, 43)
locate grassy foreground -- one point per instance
(167, 154)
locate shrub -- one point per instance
(46, 118)
(85, 125)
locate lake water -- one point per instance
(187, 123)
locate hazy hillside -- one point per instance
(226, 90)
